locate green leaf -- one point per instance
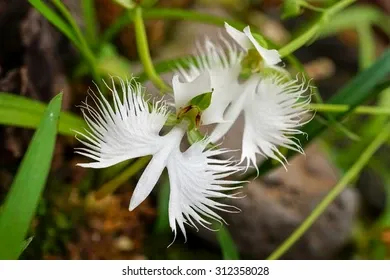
(26, 189)
(24, 112)
(55, 19)
(290, 9)
(90, 20)
(364, 86)
(162, 221)
(128, 4)
(228, 247)
(202, 101)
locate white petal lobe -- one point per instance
(237, 106)
(149, 178)
(185, 91)
(273, 115)
(127, 129)
(271, 57)
(238, 36)
(195, 180)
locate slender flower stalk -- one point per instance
(144, 53)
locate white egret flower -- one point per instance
(130, 128)
(215, 68)
(247, 41)
(273, 111)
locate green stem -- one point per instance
(129, 172)
(84, 48)
(311, 7)
(340, 186)
(124, 19)
(144, 53)
(301, 40)
(338, 7)
(312, 31)
(88, 7)
(366, 46)
(338, 108)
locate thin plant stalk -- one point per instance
(144, 53)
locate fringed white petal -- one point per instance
(124, 130)
(271, 57)
(273, 114)
(196, 180)
(222, 64)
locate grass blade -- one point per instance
(55, 19)
(91, 24)
(23, 197)
(24, 112)
(162, 221)
(228, 247)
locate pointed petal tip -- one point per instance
(132, 205)
(227, 25)
(84, 165)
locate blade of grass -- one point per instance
(91, 25)
(367, 50)
(24, 112)
(24, 195)
(124, 19)
(83, 47)
(56, 20)
(162, 222)
(228, 247)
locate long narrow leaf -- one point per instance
(24, 112)
(55, 19)
(23, 197)
(162, 221)
(228, 247)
